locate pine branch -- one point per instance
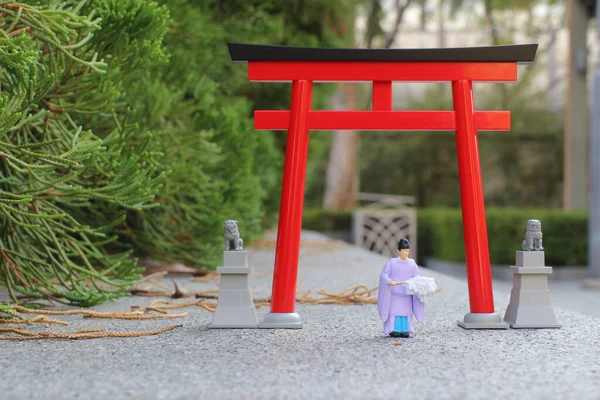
(54, 173)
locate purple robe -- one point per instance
(393, 301)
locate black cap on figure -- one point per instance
(403, 244)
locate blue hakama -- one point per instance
(401, 324)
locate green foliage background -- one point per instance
(203, 104)
(126, 132)
(440, 234)
(69, 151)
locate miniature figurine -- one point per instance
(533, 236)
(233, 241)
(395, 306)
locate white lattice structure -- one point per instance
(379, 230)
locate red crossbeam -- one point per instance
(284, 71)
(382, 120)
(382, 95)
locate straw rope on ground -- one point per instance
(162, 306)
(357, 294)
(40, 319)
(82, 334)
(14, 310)
(133, 315)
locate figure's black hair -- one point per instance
(403, 244)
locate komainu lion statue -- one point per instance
(533, 236)
(233, 241)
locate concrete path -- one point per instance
(341, 353)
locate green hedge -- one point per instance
(318, 219)
(440, 232)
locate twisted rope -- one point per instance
(82, 334)
(131, 316)
(357, 294)
(166, 305)
(134, 315)
(40, 319)
(90, 333)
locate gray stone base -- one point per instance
(237, 258)
(521, 316)
(530, 259)
(530, 306)
(234, 317)
(281, 321)
(483, 321)
(235, 306)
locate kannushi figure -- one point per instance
(395, 306)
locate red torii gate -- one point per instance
(303, 66)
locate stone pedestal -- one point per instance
(235, 305)
(281, 321)
(530, 305)
(483, 321)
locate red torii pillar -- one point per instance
(461, 66)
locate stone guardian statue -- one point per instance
(233, 241)
(533, 236)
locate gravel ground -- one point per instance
(341, 353)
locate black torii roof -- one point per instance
(520, 53)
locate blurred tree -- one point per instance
(342, 176)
